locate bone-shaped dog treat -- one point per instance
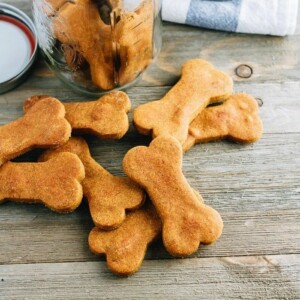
(116, 43)
(42, 126)
(52, 6)
(55, 183)
(108, 196)
(236, 119)
(200, 85)
(106, 117)
(125, 247)
(79, 24)
(134, 32)
(187, 222)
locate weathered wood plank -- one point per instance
(280, 111)
(272, 165)
(256, 189)
(267, 277)
(43, 237)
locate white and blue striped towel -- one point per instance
(274, 17)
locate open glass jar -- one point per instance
(96, 46)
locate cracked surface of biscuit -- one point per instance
(237, 119)
(108, 196)
(55, 183)
(105, 118)
(187, 222)
(125, 247)
(200, 84)
(42, 126)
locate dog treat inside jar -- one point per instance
(98, 45)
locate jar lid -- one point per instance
(18, 46)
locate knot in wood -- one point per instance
(244, 71)
(259, 101)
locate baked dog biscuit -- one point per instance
(236, 119)
(134, 32)
(125, 247)
(42, 126)
(55, 5)
(187, 222)
(108, 196)
(55, 183)
(106, 117)
(200, 85)
(79, 25)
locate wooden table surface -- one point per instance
(256, 188)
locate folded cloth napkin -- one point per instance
(274, 17)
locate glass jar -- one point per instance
(96, 46)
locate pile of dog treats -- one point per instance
(125, 221)
(112, 51)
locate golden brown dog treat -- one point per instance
(55, 183)
(73, 58)
(57, 4)
(117, 44)
(236, 119)
(125, 247)
(106, 117)
(187, 222)
(116, 3)
(79, 24)
(134, 32)
(108, 196)
(44, 125)
(50, 7)
(200, 85)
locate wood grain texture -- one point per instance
(45, 238)
(260, 277)
(256, 188)
(280, 111)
